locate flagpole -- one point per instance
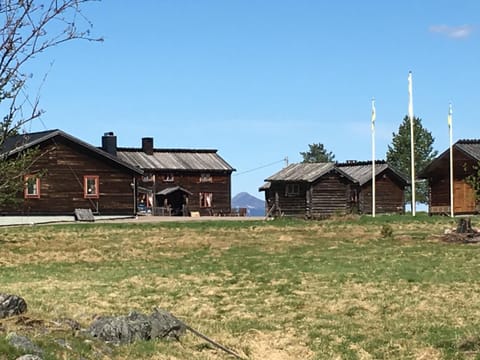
(374, 115)
(412, 139)
(451, 158)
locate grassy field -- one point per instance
(348, 288)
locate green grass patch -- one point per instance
(350, 288)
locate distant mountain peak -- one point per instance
(255, 206)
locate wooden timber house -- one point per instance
(74, 175)
(318, 190)
(466, 157)
(177, 181)
(390, 187)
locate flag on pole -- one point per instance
(450, 116)
(374, 114)
(410, 97)
(450, 130)
(412, 139)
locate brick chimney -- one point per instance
(147, 145)
(109, 143)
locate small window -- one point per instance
(32, 187)
(90, 186)
(168, 178)
(206, 200)
(292, 189)
(205, 178)
(148, 178)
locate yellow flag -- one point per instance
(450, 116)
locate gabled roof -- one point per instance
(175, 159)
(18, 143)
(173, 189)
(470, 147)
(307, 172)
(362, 171)
(358, 172)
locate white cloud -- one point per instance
(453, 32)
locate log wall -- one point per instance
(220, 187)
(389, 197)
(62, 188)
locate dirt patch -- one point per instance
(276, 345)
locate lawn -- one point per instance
(346, 288)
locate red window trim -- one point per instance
(86, 195)
(26, 195)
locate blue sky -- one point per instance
(260, 80)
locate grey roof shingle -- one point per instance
(175, 159)
(308, 172)
(18, 143)
(470, 147)
(360, 172)
(363, 172)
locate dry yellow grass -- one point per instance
(296, 291)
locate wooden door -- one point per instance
(463, 197)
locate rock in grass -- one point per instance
(11, 305)
(136, 326)
(29, 357)
(23, 343)
(166, 326)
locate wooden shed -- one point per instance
(390, 187)
(466, 156)
(316, 190)
(309, 190)
(178, 181)
(74, 175)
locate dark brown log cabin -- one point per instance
(74, 175)
(317, 190)
(178, 181)
(390, 187)
(310, 190)
(466, 156)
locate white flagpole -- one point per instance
(374, 115)
(412, 145)
(451, 159)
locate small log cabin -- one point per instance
(318, 190)
(466, 156)
(177, 181)
(74, 175)
(390, 187)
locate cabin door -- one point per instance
(463, 197)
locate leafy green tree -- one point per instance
(27, 29)
(399, 153)
(317, 153)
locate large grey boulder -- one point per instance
(11, 305)
(23, 343)
(136, 326)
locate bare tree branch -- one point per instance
(27, 29)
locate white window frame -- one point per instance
(168, 178)
(148, 178)
(206, 178)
